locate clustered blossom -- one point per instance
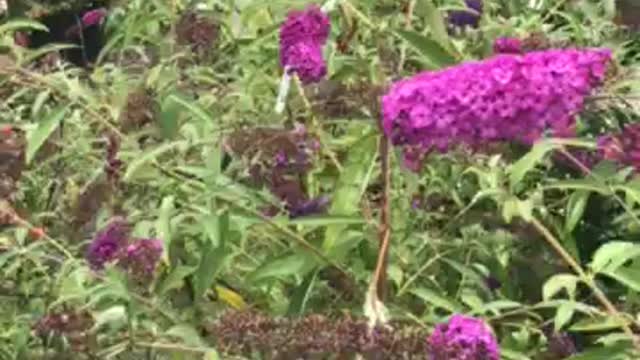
(622, 148)
(90, 18)
(463, 338)
(302, 37)
(198, 32)
(141, 257)
(466, 18)
(114, 245)
(507, 45)
(503, 98)
(108, 244)
(314, 335)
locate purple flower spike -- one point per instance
(93, 17)
(306, 60)
(109, 243)
(463, 338)
(504, 98)
(507, 45)
(302, 37)
(142, 257)
(310, 24)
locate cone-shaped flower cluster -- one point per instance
(463, 338)
(504, 98)
(114, 245)
(302, 37)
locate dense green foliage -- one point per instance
(523, 237)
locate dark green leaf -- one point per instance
(434, 55)
(37, 137)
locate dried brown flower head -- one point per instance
(197, 32)
(314, 335)
(73, 326)
(139, 111)
(12, 159)
(333, 99)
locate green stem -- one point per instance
(586, 278)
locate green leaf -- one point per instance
(37, 137)
(581, 184)
(575, 208)
(612, 255)
(435, 56)
(175, 279)
(115, 316)
(350, 187)
(435, 21)
(190, 105)
(20, 24)
(281, 267)
(215, 253)
(169, 114)
(564, 313)
(520, 168)
(628, 276)
(187, 333)
(615, 352)
(597, 324)
(437, 300)
(301, 295)
(558, 282)
(149, 156)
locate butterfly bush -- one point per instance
(113, 244)
(504, 98)
(463, 338)
(142, 257)
(302, 36)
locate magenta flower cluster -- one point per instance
(507, 45)
(463, 338)
(302, 37)
(504, 98)
(114, 244)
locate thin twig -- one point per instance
(586, 278)
(384, 233)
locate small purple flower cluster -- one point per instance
(465, 18)
(90, 18)
(507, 45)
(302, 37)
(108, 243)
(622, 148)
(142, 257)
(114, 244)
(463, 338)
(503, 98)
